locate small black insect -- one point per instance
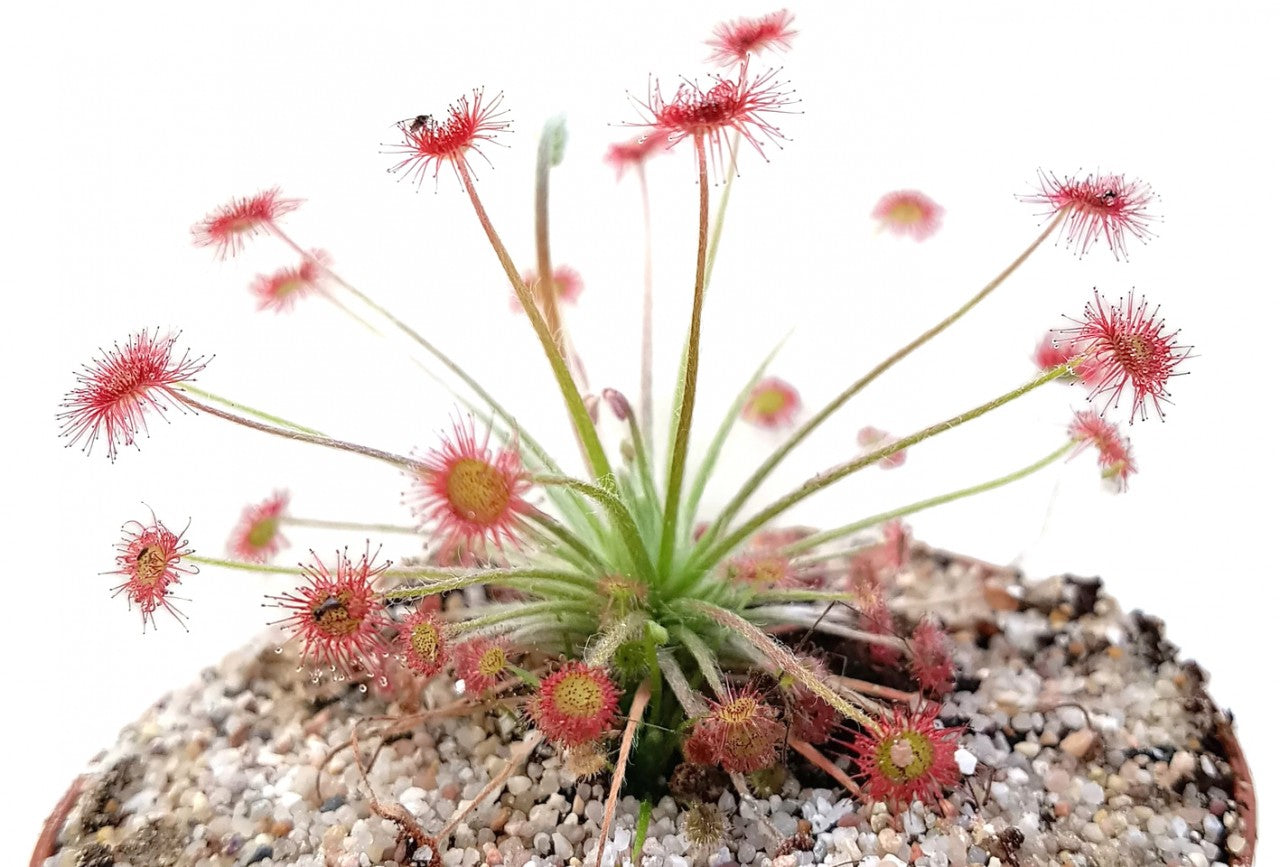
(328, 606)
(418, 122)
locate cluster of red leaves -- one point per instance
(907, 757)
(1115, 454)
(429, 144)
(481, 662)
(575, 704)
(281, 289)
(149, 556)
(227, 228)
(910, 213)
(734, 42)
(257, 537)
(117, 390)
(338, 616)
(707, 113)
(772, 403)
(1128, 348)
(468, 494)
(1098, 207)
(740, 733)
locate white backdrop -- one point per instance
(125, 125)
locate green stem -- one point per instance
(266, 568)
(838, 472)
(768, 597)
(596, 460)
(646, 314)
(714, 246)
(417, 338)
(643, 467)
(642, 827)
(318, 524)
(606, 645)
(502, 577)
(920, 505)
(618, 514)
(680, 450)
(395, 460)
(655, 674)
(523, 610)
(702, 655)
(708, 462)
(563, 534)
(751, 484)
(525, 675)
(776, 654)
(546, 287)
(247, 410)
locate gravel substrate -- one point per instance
(1088, 744)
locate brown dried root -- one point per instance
(409, 827)
(399, 725)
(866, 687)
(807, 750)
(638, 704)
(519, 755)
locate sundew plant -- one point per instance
(592, 595)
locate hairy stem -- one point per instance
(777, 654)
(820, 761)
(586, 432)
(248, 410)
(643, 467)
(421, 341)
(714, 246)
(515, 612)
(920, 505)
(646, 313)
(289, 521)
(708, 463)
(564, 535)
(606, 645)
(268, 569)
(503, 577)
(680, 449)
(519, 755)
(618, 514)
(703, 656)
(751, 484)
(838, 472)
(395, 460)
(546, 287)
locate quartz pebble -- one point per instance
(248, 771)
